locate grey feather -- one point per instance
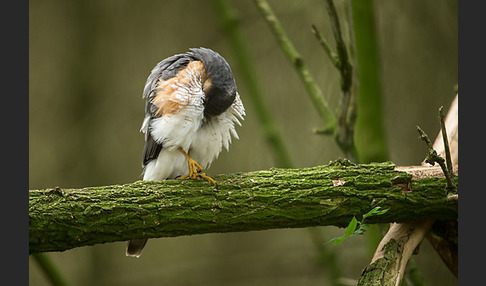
(223, 85)
(164, 70)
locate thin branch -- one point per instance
(61, 219)
(230, 24)
(348, 105)
(443, 234)
(446, 142)
(451, 123)
(298, 63)
(345, 119)
(432, 158)
(327, 48)
(345, 66)
(344, 130)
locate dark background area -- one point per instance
(88, 62)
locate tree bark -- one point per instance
(392, 254)
(61, 219)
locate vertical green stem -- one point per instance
(370, 137)
(50, 270)
(369, 134)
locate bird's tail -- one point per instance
(135, 247)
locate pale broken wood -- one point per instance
(452, 126)
(390, 259)
(443, 234)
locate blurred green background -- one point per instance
(88, 62)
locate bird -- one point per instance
(192, 107)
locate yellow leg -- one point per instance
(195, 170)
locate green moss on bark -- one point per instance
(61, 219)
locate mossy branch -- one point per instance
(61, 219)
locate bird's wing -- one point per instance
(164, 70)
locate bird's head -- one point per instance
(219, 86)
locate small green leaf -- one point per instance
(349, 232)
(351, 227)
(356, 227)
(374, 211)
(371, 212)
(381, 212)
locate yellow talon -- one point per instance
(195, 170)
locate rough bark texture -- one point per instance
(399, 243)
(61, 219)
(383, 272)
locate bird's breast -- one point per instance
(184, 89)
